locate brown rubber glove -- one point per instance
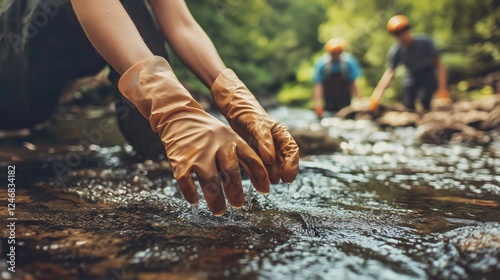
(194, 140)
(319, 111)
(373, 104)
(266, 135)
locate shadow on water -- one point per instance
(383, 208)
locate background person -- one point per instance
(335, 75)
(425, 72)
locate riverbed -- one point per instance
(383, 207)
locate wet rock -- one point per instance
(435, 117)
(492, 121)
(475, 248)
(442, 104)
(473, 118)
(315, 141)
(357, 110)
(398, 119)
(447, 132)
(460, 122)
(487, 103)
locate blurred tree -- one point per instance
(272, 44)
(264, 41)
(465, 31)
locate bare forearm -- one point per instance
(188, 40)
(318, 95)
(354, 89)
(111, 32)
(442, 76)
(383, 84)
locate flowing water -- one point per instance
(384, 207)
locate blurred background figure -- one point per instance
(335, 75)
(425, 72)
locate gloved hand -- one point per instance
(374, 103)
(318, 109)
(443, 94)
(246, 116)
(194, 140)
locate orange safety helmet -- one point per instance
(335, 45)
(398, 23)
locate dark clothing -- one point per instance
(420, 78)
(422, 85)
(336, 92)
(417, 57)
(43, 46)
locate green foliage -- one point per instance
(465, 31)
(463, 91)
(272, 44)
(464, 28)
(264, 41)
(296, 95)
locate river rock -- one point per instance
(398, 119)
(446, 132)
(475, 247)
(493, 120)
(315, 141)
(461, 121)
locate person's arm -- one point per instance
(354, 73)
(354, 89)
(270, 138)
(380, 88)
(442, 78)
(188, 40)
(195, 141)
(318, 100)
(105, 22)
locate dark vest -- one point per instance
(336, 91)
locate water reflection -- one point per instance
(382, 208)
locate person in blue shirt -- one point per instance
(335, 75)
(425, 72)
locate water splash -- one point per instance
(196, 215)
(233, 212)
(249, 196)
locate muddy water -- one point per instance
(382, 208)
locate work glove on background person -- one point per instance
(443, 94)
(318, 109)
(194, 140)
(373, 104)
(246, 116)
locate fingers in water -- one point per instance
(212, 190)
(186, 185)
(211, 186)
(254, 166)
(230, 175)
(288, 156)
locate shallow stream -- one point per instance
(384, 207)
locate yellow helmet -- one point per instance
(398, 23)
(335, 45)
